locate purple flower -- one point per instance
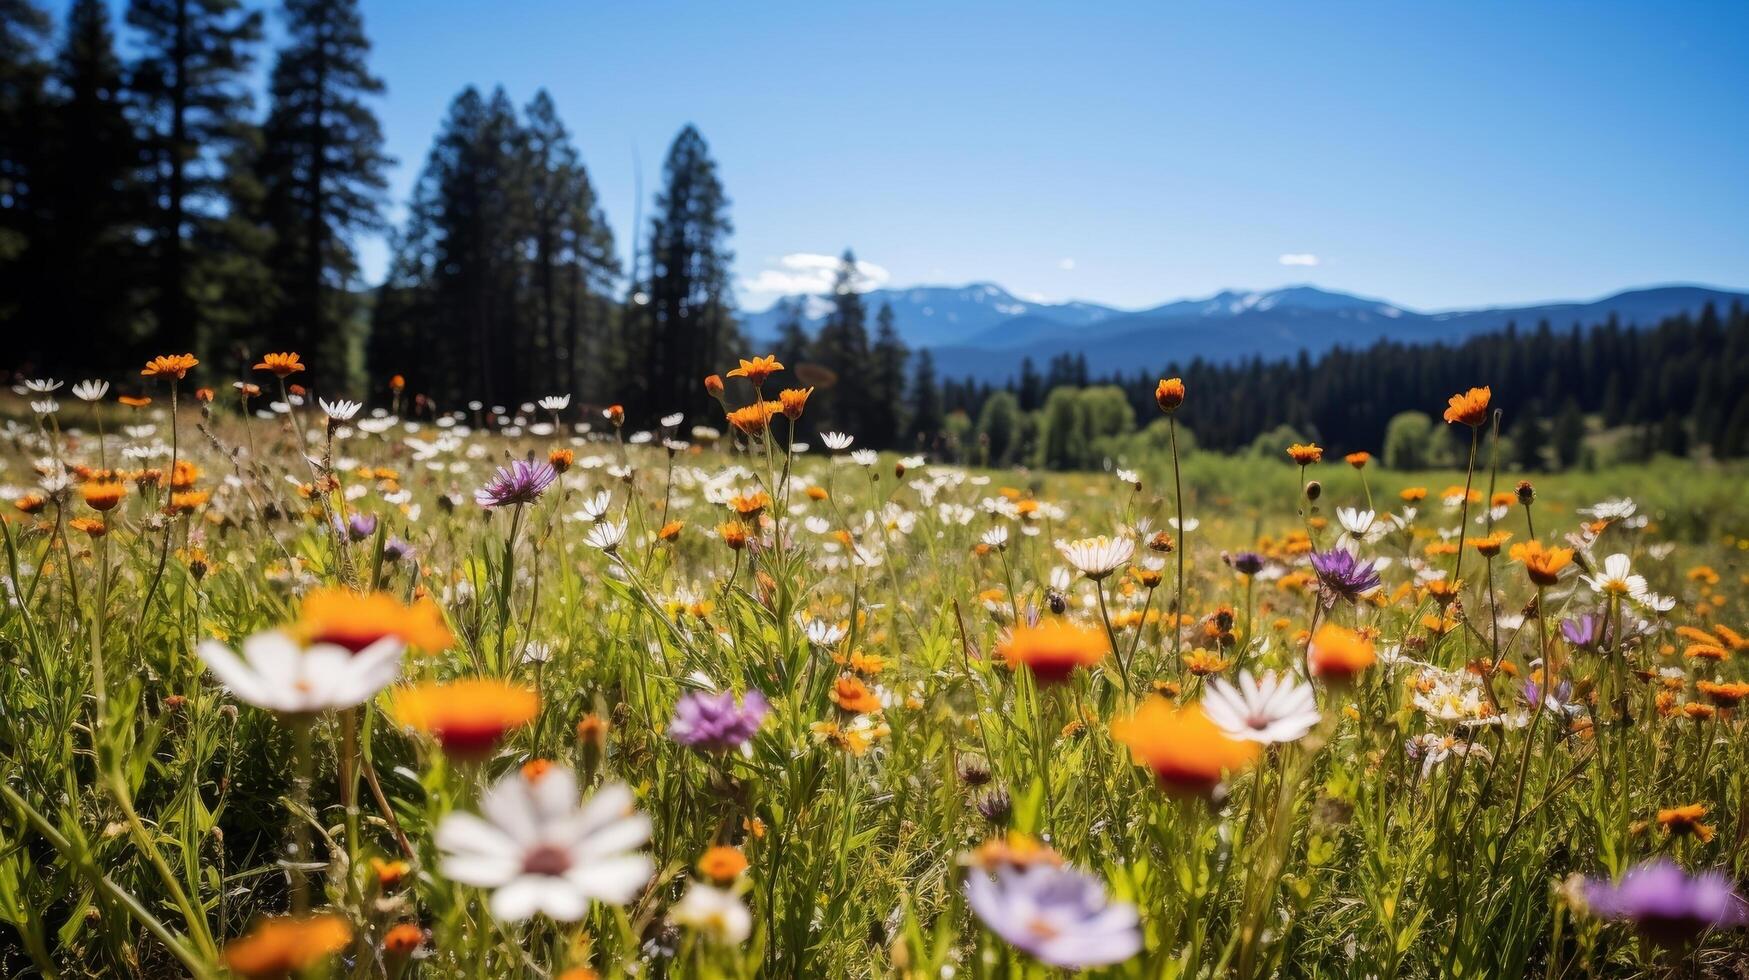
(519, 483)
(714, 722)
(361, 526)
(1585, 630)
(1343, 575)
(1058, 915)
(1246, 562)
(395, 549)
(1667, 904)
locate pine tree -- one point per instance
(1568, 435)
(24, 30)
(841, 347)
(926, 402)
(683, 316)
(791, 346)
(1032, 386)
(886, 410)
(190, 89)
(322, 178)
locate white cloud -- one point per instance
(1066, 264)
(1298, 258)
(810, 272)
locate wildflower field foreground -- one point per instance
(299, 687)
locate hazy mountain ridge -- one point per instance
(983, 331)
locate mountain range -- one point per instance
(984, 331)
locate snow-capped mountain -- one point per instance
(984, 331)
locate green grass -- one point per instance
(147, 812)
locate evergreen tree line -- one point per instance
(147, 207)
(1678, 387)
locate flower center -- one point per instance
(546, 860)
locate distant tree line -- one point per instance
(1677, 387)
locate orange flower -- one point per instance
(173, 366)
(817, 492)
(1169, 394)
(1358, 460)
(1490, 546)
(722, 864)
(1687, 820)
(280, 365)
(752, 419)
(103, 495)
(397, 384)
(1469, 407)
(134, 401)
(671, 530)
(592, 730)
(203, 394)
(1202, 663)
(280, 947)
(713, 385)
(389, 873)
(1543, 565)
(1053, 649)
(468, 717)
(1338, 653)
(749, 505)
(403, 939)
(1723, 694)
(561, 459)
(854, 696)
(92, 526)
(1187, 751)
(734, 534)
(758, 369)
(1305, 454)
(355, 621)
(793, 400)
(187, 501)
(1411, 495)
(616, 414)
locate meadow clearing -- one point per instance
(299, 687)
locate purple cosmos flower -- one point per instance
(519, 483)
(1667, 904)
(1343, 575)
(361, 526)
(1246, 562)
(1058, 915)
(1585, 630)
(395, 549)
(714, 722)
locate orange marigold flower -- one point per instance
(1469, 407)
(1053, 649)
(753, 419)
(174, 366)
(468, 717)
(854, 696)
(561, 459)
(356, 620)
(1724, 694)
(92, 526)
(748, 505)
(817, 492)
(734, 534)
(403, 939)
(1305, 454)
(713, 385)
(1543, 565)
(1412, 495)
(1704, 651)
(280, 365)
(615, 414)
(187, 501)
(1187, 751)
(670, 530)
(1358, 460)
(1490, 545)
(722, 864)
(1169, 394)
(757, 369)
(134, 401)
(793, 400)
(103, 495)
(1338, 653)
(1202, 663)
(389, 873)
(280, 947)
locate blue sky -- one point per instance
(1436, 155)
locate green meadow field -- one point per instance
(320, 691)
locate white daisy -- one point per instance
(715, 912)
(339, 410)
(823, 634)
(556, 403)
(605, 535)
(673, 419)
(280, 674)
(1617, 579)
(1097, 557)
(996, 537)
(90, 390)
(865, 457)
(540, 852)
(1275, 708)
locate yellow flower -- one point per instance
(280, 364)
(1305, 454)
(757, 369)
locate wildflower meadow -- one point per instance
(299, 686)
